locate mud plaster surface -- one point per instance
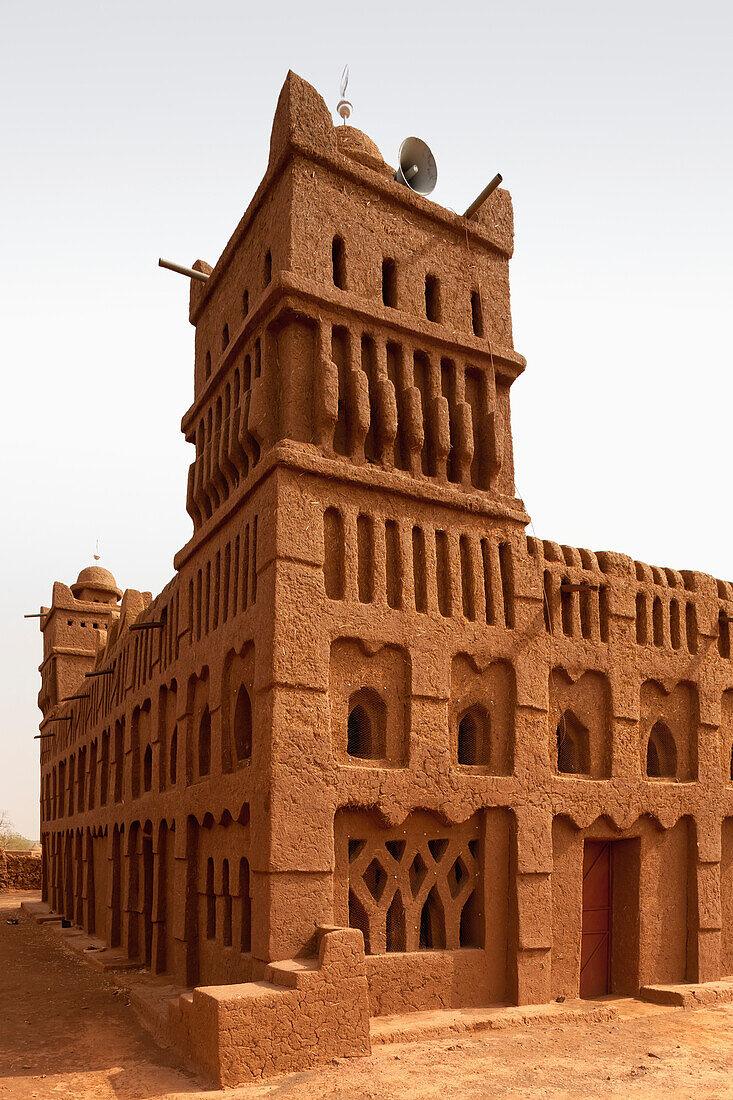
(66, 1031)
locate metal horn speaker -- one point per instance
(417, 168)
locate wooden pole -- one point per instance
(488, 190)
(201, 276)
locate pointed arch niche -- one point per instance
(668, 730)
(482, 708)
(369, 688)
(661, 753)
(238, 708)
(199, 739)
(573, 746)
(580, 724)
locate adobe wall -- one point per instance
(431, 668)
(19, 871)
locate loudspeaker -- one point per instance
(417, 168)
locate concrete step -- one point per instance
(93, 950)
(414, 1027)
(40, 912)
(286, 972)
(153, 1000)
(690, 995)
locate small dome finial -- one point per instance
(343, 107)
(95, 579)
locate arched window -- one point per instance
(72, 782)
(92, 775)
(365, 557)
(358, 919)
(674, 624)
(471, 926)
(148, 769)
(338, 261)
(104, 769)
(661, 753)
(242, 726)
(334, 547)
(641, 615)
(173, 756)
(268, 268)
(547, 600)
(366, 727)
(205, 742)
(474, 741)
(80, 780)
(723, 634)
(210, 901)
(245, 935)
(395, 928)
(207, 369)
(226, 931)
(225, 337)
(573, 749)
(432, 923)
(566, 607)
(691, 627)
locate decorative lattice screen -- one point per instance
(413, 888)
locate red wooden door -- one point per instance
(595, 950)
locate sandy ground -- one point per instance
(67, 1031)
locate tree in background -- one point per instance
(9, 839)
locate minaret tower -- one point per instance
(353, 450)
(73, 628)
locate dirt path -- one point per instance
(66, 1031)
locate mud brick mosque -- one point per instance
(373, 749)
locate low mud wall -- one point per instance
(19, 871)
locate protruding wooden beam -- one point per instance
(152, 625)
(181, 269)
(583, 586)
(488, 190)
(101, 672)
(68, 698)
(40, 736)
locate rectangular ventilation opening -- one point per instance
(477, 318)
(389, 283)
(432, 298)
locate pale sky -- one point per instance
(135, 130)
